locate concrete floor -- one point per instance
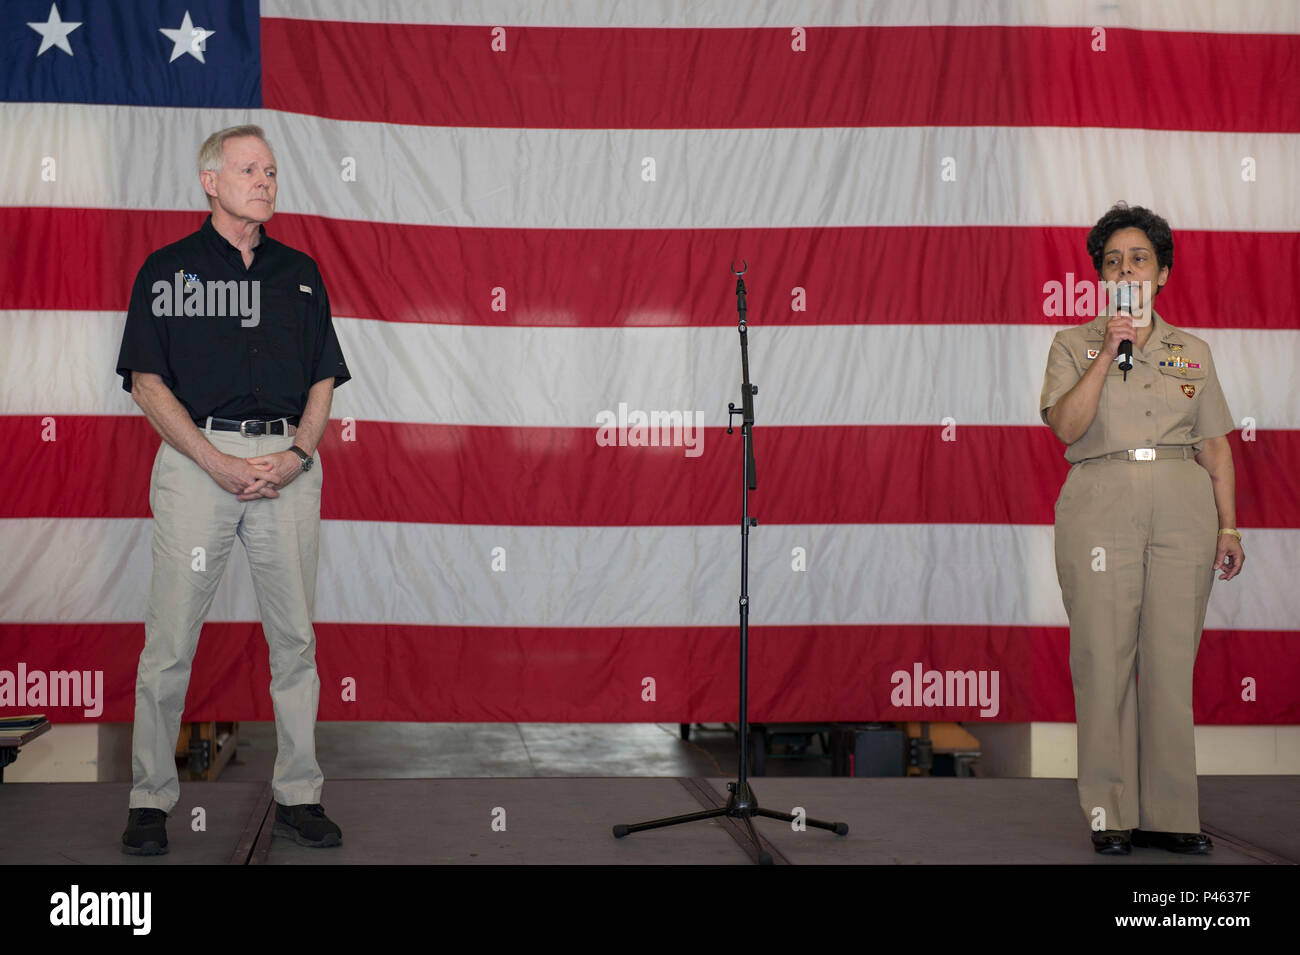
(569, 820)
(468, 750)
(428, 793)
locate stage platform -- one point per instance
(568, 820)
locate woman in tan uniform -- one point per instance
(1146, 516)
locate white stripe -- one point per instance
(716, 178)
(1210, 16)
(99, 570)
(63, 363)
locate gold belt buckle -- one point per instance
(1142, 454)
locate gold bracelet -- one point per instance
(1231, 530)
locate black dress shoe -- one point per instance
(306, 825)
(1111, 842)
(1190, 843)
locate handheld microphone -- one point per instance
(1124, 303)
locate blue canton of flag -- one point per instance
(144, 53)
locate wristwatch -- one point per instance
(307, 460)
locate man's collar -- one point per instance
(210, 232)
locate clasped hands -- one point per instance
(253, 478)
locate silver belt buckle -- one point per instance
(1142, 454)
(242, 432)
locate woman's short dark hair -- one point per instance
(1120, 216)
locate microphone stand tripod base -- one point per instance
(741, 804)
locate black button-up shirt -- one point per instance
(226, 346)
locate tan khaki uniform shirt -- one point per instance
(1172, 396)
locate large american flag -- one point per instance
(525, 214)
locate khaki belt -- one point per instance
(1167, 453)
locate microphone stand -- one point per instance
(741, 804)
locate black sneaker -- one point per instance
(146, 833)
(306, 825)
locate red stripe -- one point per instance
(455, 674)
(637, 78)
(620, 277)
(99, 467)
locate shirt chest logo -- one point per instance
(1189, 390)
(1093, 353)
(187, 295)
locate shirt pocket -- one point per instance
(1184, 388)
(282, 330)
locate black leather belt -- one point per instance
(250, 428)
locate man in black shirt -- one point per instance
(229, 349)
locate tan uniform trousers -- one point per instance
(1136, 609)
(280, 537)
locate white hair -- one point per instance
(210, 157)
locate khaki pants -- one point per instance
(280, 537)
(1135, 627)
